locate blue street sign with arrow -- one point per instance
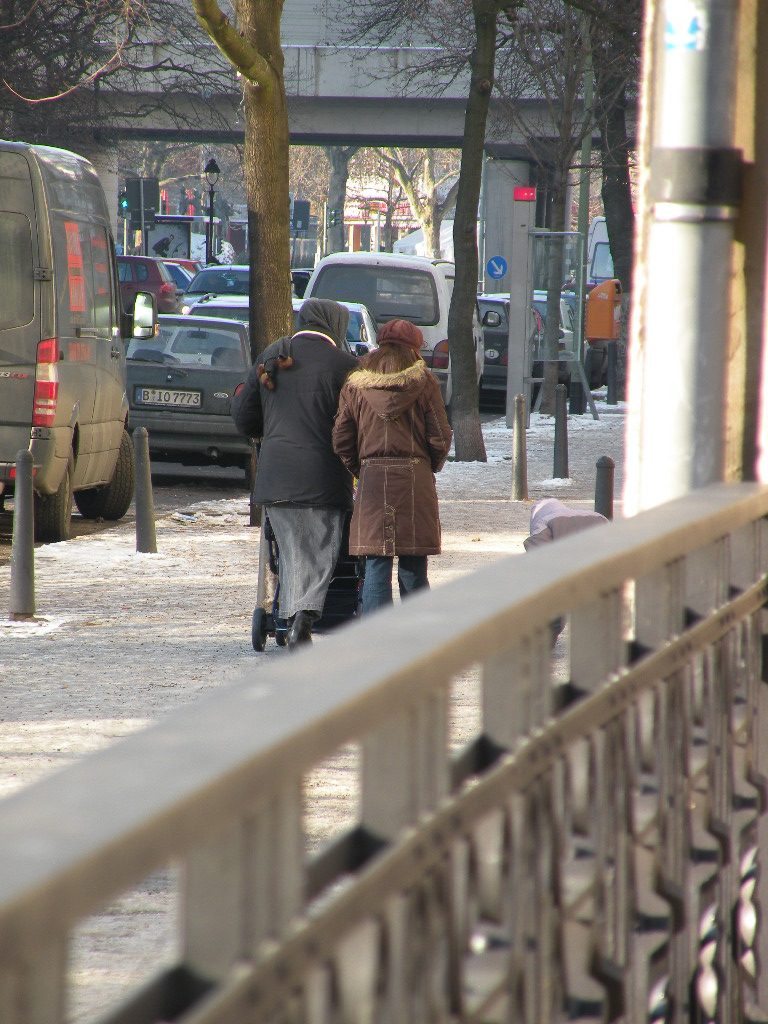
(496, 267)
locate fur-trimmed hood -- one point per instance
(390, 394)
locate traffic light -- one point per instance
(334, 218)
(123, 204)
(133, 197)
(300, 215)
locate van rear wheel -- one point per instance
(113, 500)
(53, 512)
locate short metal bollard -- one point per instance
(23, 542)
(561, 433)
(604, 486)
(519, 452)
(146, 538)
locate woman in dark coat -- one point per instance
(289, 401)
(393, 434)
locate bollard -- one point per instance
(613, 362)
(561, 433)
(519, 454)
(146, 539)
(604, 486)
(23, 542)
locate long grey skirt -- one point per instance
(309, 542)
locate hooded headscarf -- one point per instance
(326, 316)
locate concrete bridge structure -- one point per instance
(337, 95)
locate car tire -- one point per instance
(259, 629)
(113, 500)
(53, 512)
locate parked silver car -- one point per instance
(232, 279)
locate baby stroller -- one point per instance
(342, 601)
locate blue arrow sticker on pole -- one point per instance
(686, 26)
(496, 267)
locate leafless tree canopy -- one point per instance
(64, 62)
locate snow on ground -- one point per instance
(120, 639)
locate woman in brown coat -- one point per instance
(392, 433)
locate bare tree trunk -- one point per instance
(266, 189)
(338, 158)
(464, 403)
(432, 225)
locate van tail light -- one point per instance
(239, 388)
(440, 355)
(46, 383)
(166, 288)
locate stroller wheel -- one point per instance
(259, 629)
(281, 633)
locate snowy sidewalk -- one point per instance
(122, 638)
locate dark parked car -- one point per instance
(180, 387)
(494, 311)
(147, 274)
(227, 280)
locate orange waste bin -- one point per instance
(603, 312)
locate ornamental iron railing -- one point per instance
(532, 831)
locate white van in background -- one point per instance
(599, 258)
(393, 287)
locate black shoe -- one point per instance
(301, 630)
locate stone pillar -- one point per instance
(501, 175)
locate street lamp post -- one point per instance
(211, 172)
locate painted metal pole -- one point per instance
(146, 538)
(604, 486)
(23, 543)
(690, 202)
(519, 315)
(561, 433)
(519, 452)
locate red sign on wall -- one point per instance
(524, 193)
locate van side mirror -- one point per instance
(145, 322)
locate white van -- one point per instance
(393, 287)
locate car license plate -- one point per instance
(167, 396)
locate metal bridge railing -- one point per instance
(594, 849)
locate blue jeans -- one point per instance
(377, 585)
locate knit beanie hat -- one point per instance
(400, 332)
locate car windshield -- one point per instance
(389, 292)
(182, 345)
(220, 281)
